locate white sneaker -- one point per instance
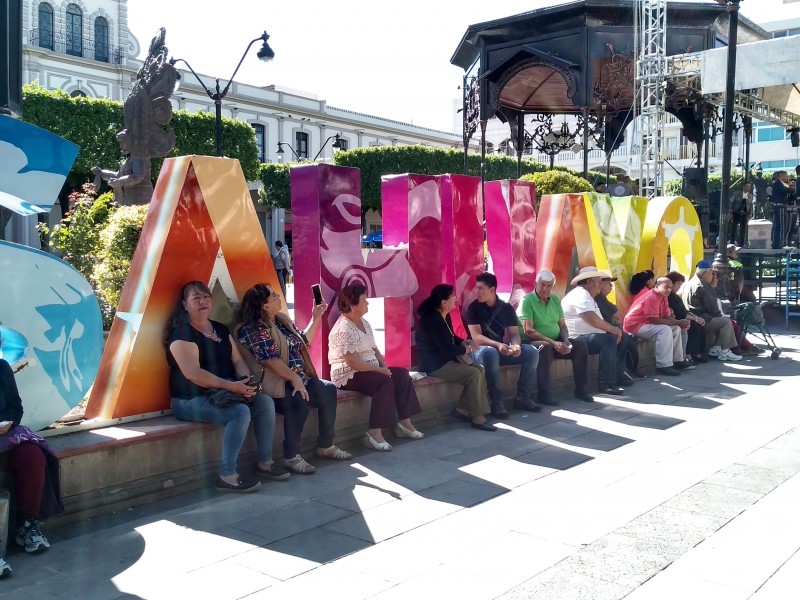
(715, 351)
(5, 568)
(30, 537)
(729, 356)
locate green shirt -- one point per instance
(545, 317)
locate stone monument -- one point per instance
(146, 111)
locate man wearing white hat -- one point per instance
(585, 322)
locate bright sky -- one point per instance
(388, 59)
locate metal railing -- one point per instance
(76, 46)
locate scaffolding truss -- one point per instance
(684, 70)
(650, 71)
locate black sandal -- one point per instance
(241, 487)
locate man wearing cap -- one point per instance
(585, 322)
(493, 325)
(542, 322)
(701, 299)
(650, 318)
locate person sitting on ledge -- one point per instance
(650, 318)
(441, 354)
(641, 282)
(203, 359)
(699, 297)
(270, 338)
(610, 314)
(494, 327)
(542, 322)
(585, 322)
(358, 365)
(34, 468)
(693, 339)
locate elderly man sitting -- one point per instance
(650, 317)
(701, 299)
(541, 320)
(585, 322)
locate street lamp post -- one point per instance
(727, 136)
(280, 151)
(336, 144)
(265, 53)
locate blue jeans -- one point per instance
(612, 356)
(491, 359)
(236, 419)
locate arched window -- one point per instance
(101, 39)
(45, 26)
(78, 94)
(259, 130)
(74, 30)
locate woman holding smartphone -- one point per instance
(35, 469)
(270, 338)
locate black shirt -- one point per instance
(677, 306)
(493, 319)
(607, 308)
(436, 344)
(10, 402)
(215, 357)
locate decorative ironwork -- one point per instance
(548, 139)
(472, 108)
(613, 90)
(85, 47)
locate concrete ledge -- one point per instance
(113, 468)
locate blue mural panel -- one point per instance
(34, 164)
(52, 332)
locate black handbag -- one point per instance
(224, 398)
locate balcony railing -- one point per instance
(76, 46)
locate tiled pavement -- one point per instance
(686, 487)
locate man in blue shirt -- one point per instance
(494, 327)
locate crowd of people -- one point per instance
(245, 376)
(263, 367)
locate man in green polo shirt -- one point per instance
(542, 322)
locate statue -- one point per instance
(146, 111)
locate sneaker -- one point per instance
(728, 355)
(684, 365)
(715, 351)
(30, 537)
(699, 358)
(5, 568)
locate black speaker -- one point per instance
(11, 57)
(795, 135)
(695, 183)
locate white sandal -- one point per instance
(404, 432)
(333, 453)
(371, 443)
(299, 465)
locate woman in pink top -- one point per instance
(358, 365)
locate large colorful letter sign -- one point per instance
(201, 226)
(511, 234)
(326, 218)
(52, 332)
(437, 218)
(671, 222)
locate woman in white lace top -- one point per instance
(358, 365)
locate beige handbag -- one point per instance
(273, 384)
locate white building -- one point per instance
(86, 48)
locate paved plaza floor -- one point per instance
(686, 488)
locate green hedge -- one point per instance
(557, 182)
(92, 124)
(387, 160)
